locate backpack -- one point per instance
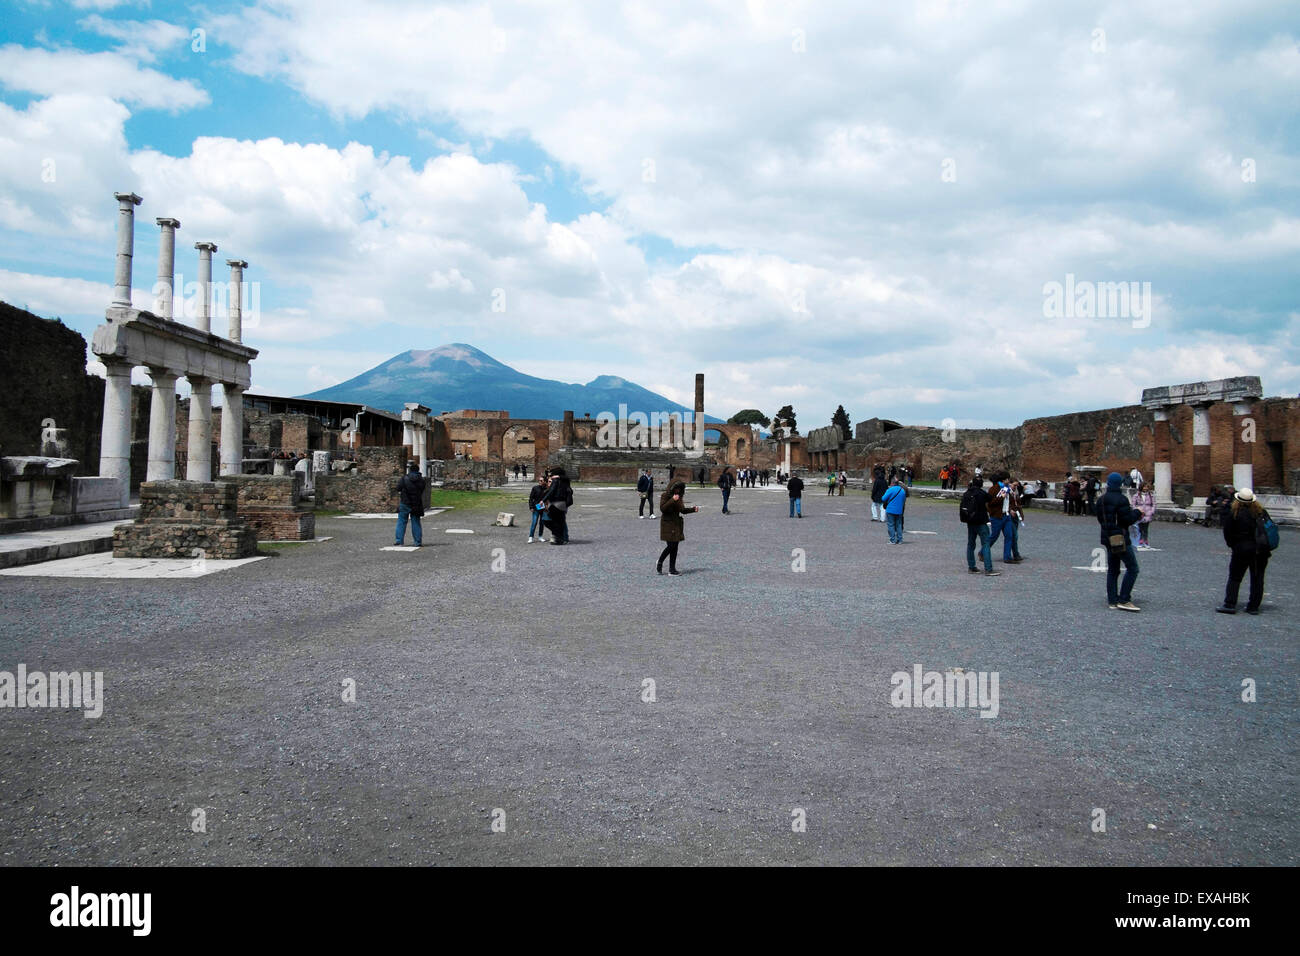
(966, 510)
(1266, 536)
(722, 480)
(643, 485)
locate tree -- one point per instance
(784, 418)
(749, 416)
(841, 418)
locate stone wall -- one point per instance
(371, 488)
(186, 519)
(43, 368)
(274, 507)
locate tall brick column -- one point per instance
(1164, 475)
(1243, 460)
(1201, 452)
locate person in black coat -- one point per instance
(976, 504)
(1239, 522)
(557, 500)
(410, 488)
(645, 486)
(536, 510)
(794, 488)
(1115, 514)
(878, 488)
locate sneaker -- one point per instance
(1127, 606)
(642, 517)
(530, 539)
(674, 571)
(974, 570)
(1224, 609)
(1113, 607)
(992, 574)
(1252, 610)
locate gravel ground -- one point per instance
(521, 689)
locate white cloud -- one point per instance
(140, 40)
(54, 72)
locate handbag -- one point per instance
(1117, 542)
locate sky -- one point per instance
(870, 204)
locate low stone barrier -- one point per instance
(185, 519)
(273, 506)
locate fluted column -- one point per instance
(203, 314)
(162, 425)
(164, 287)
(236, 306)
(198, 466)
(115, 434)
(126, 203)
(232, 430)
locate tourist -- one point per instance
(974, 513)
(558, 499)
(536, 508)
(703, 476)
(672, 529)
(410, 488)
(794, 487)
(1116, 515)
(830, 482)
(878, 486)
(646, 486)
(1214, 504)
(979, 474)
(726, 481)
(1090, 495)
(1135, 477)
(1016, 497)
(1144, 502)
(1242, 532)
(843, 480)
(1004, 517)
(943, 477)
(895, 500)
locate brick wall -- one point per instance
(186, 519)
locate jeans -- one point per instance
(726, 496)
(1113, 561)
(536, 524)
(1003, 526)
(647, 500)
(877, 511)
(417, 533)
(894, 524)
(1255, 562)
(1013, 531)
(796, 505)
(978, 532)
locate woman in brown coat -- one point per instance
(671, 527)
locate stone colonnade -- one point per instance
(1242, 392)
(170, 351)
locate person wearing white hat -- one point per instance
(1241, 524)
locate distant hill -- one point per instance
(457, 376)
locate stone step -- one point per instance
(50, 545)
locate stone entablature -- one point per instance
(142, 338)
(1239, 389)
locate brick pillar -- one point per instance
(1243, 461)
(1164, 491)
(1200, 452)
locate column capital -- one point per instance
(159, 372)
(1160, 413)
(237, 263)
(206, 246)
(199, 381)
(116, 366)
(233, 388)
(164, 221)
(128, 197)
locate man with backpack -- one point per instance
(1115, 515)
(726, 481)
(794, 487)
(895, 500)
(645, 485)
(1252, 535)
(410, 489)
(974, 513)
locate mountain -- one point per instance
(459, 376)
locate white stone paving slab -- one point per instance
(56, 536)
(400, 547)
(104, 565)
(459, 531)
(298, 540)
(393, 515)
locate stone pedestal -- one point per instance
(274, 507)
(186, 519)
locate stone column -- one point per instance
(198, 466)
(1164, 476)
(115, 435)
(1243, 457)
(232, 429)
(1200, 453)
(162, 425)
(126, 203)
(203, 315)
(786, 469)
(421, 435)
(166, 269)
(698, 443)
(236, 307)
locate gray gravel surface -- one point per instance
(521, 690)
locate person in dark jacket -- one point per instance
(557, 500)
(878, 488)
(976, 504)
(410, 488)
(726, 483)
(536, 509)
(645, 485)
(1239, 522)
(672, 529)
(794, 488)
(1115, 514)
